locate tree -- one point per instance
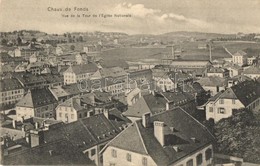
(34, 40)
(4, 42)
(72, 47)
(239, 135)
(19, 41)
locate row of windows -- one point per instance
(199, 158)
(66, 115)
(12, 97)
(220, 110)
(12, 92)
(128, 157)
(221, 101)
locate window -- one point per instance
(93, 152)
(128, 157)
(112, 164)
(80, 115)
(210, 109)
(189, 163)
(114, 154)
(72, 116)
(144, 161)
(233, 101)
(221, 101)
(60, 114)
(199, 159)
(221, 110)
(208, 154)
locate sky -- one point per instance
(147, 16)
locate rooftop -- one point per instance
(37, 98)
(185, 128)
(10, 84)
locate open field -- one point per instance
(190, 51)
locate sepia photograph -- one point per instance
(130, 82)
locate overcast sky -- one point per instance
(148, 16)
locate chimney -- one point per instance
(22, 119)
(146, 119)
(106, 113)
(159, 131)
(167, 106)
(51, 152)
(36, 138)
(14, 124)
(36, 125)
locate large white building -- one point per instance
(79, 72)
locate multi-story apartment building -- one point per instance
(165, 139)
(87, 105)
(239, 58)
(36, 103)
(11, 92)
(165, 80)
(79, 72)
(219, 72)
(245, 94)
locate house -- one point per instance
(36, 103)
(79, 72)
(11, 92)
(242, 95)
(219, 72)
(189, 65)
(213, 84)
(86, 105)
(158, 102)
(170, 80)
(133, 96)
(70, 59)
(234, 69)
(239, 58)
(90, 134)
(113, 72)
(252, 72)
(169, 138)
(142, 79)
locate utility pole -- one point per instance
(210, 56)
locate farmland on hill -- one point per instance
(190, 51)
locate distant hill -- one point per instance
(197, 35)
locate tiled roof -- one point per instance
(212, 81)
(216, 70)
(177, 98)
(63, 153)
(10, 84)
(85, 68)
(138, 109)
(143, 140)
(86, 132)
(252, 70)
(37, 98)
(51, 78)
(247, 91)
(189, 63)
(239, 53)
(29, 78)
